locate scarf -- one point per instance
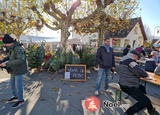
(107, 47)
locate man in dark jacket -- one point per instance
(15, 62)
(106, 61)
(129, 75)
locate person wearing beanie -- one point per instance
(15, 64)
(7, 39)
(141, 50)
(129, 74)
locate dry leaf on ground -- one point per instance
(50, 78)
(71, 86)
(89, 77)
(55, 88)
(78, 92)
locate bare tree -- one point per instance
(147, 30)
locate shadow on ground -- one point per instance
(49, 94)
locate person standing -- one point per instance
(106, 61)
(16, 65)
(126, 50)
(129, 75)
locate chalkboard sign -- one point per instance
(75, 72)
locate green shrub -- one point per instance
(35, 55)
(59, 59)
(88, 57)
(1, 43)
(75, 59)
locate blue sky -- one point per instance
(150, 14)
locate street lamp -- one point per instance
(158, 30)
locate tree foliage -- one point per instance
(85, 15)
(15, 18)
(114, 18)
(35, 55)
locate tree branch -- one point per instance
(47, 10)
(75, 5)
(53, 14)
(89, 17)
(57, 11)
(53, 28)
(98, 3)
(44, 22)
(108, 2)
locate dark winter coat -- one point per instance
(104, 58)
(150, 65)
(130, 72)
(125, 51)
(16, 59)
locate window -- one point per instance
(135, 30)
(133, 43)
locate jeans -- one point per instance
(142, 100)
(102, 72)
(16, 83)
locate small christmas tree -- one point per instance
(35, 55)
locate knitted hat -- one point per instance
(8, 39)
(135, 53)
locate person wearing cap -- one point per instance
(16, 61)
(106, 61)
(129, 75)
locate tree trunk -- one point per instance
(100, 36)
(64, 37)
